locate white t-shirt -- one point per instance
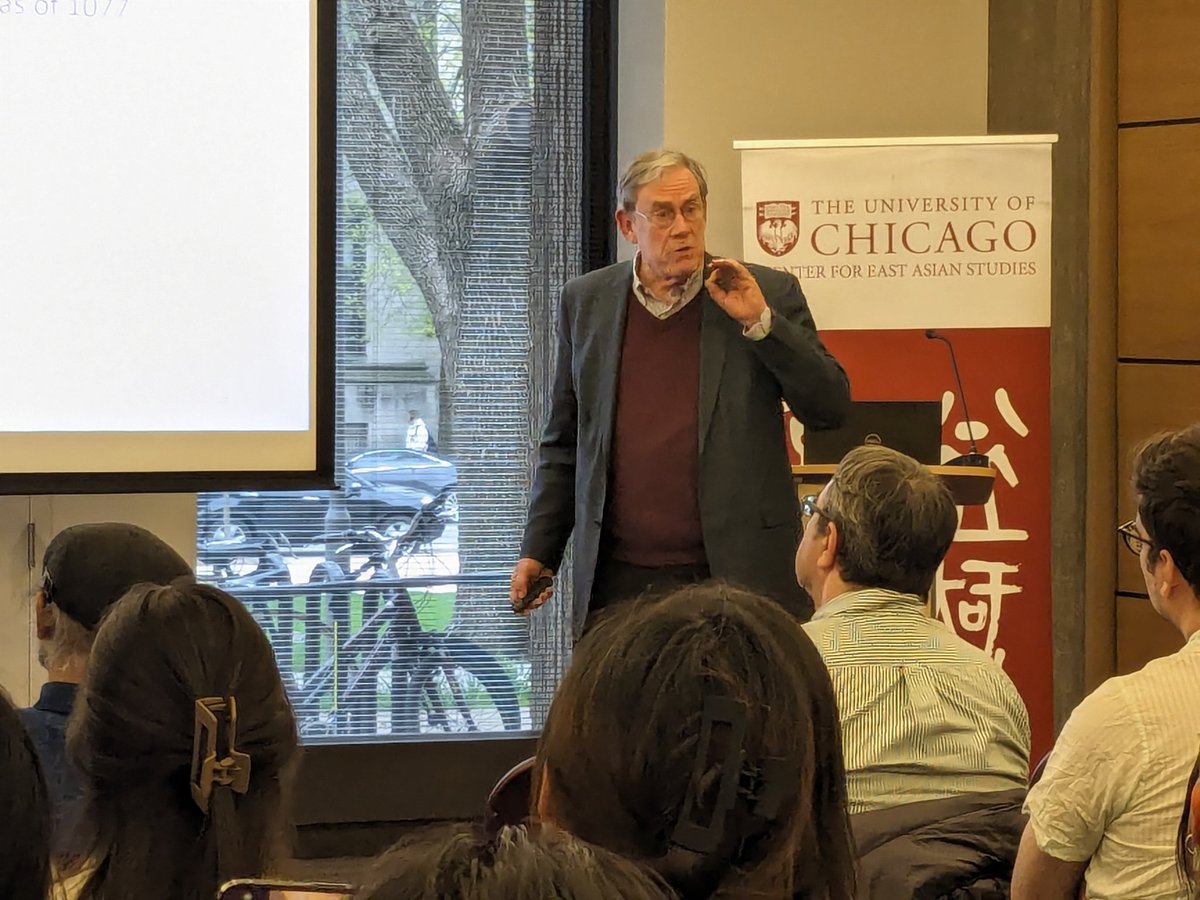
(1113, 789)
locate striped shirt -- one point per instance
(1114, 787)
(924, 714)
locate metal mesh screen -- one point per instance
(460, 166)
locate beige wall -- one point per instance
(171, 516)
(762, 69)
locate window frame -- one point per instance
(345, 790)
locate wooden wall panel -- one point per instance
(1158, 237)
(1051, 68)
(1158, 61)
(1142, 635)
(1150, 398)
(1158, 280)
(1100, 559)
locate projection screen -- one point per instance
(166, 244)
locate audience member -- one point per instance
(925, 714)
(185, 739)
(697, 733)
(1188, 844)
(25, 823)
(1107, 806)
(84, 570)
(458, 865)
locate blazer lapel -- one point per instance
(609, 335)
(713, 325)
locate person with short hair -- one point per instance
(665, 452)
(25, 826)
(697, 733)
(453, 864)
(85, 569)
(1106, 810)
(924, 713)
(186, 742)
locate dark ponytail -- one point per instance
(25, 825)
(161, 656)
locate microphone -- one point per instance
(974, 458)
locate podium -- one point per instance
(969, 485)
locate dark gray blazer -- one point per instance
(747, 501)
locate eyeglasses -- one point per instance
(664, 217)
(809, 508)
(1129, 534)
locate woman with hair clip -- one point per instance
(458, 865)
(698, 733)
(184, 738)
(25, 825)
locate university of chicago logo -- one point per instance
(778, 225)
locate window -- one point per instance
(463, 164)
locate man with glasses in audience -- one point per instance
(925, 714)
(1106, 809)
(85, 569)
(665, 450)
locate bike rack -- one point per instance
(489, 576)
(362, 641)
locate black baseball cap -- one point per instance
(87, 568)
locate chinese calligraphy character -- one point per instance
(975, 615)
(999, 457)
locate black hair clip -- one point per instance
(767, 784)
(707, 837)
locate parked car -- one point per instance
(410, 468)
(244, 516)
(382, 489)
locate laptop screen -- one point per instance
(913, 427)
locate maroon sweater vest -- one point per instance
(653, 516)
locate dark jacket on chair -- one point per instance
(957, 848)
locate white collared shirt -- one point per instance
(664, 309)
(924, 714)
(1114, 787)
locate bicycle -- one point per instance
(433, 680)
(437, 681)
(243, 568)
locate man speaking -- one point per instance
(665, 447)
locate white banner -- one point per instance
(893, 237)
(905, 233)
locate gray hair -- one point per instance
(71, 644)
(650, 166)
(895, 519)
